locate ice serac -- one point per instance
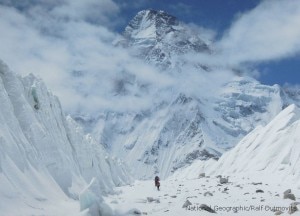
(159, 38)
(45, 157)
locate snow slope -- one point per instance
(239, 197)
(271, 150)
(262, 166)
(45, 158)
(268, 152)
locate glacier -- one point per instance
(45, 157)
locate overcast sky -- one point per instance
(68, 43)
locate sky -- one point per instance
(213, 14)
(69, 44)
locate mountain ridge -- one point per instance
(185, 123)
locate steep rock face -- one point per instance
(159, 37)
(43, 154)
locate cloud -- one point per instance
(92, 11)
(206, 34)
(25, 50)
(75, 56)
(268, 32)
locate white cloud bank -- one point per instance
(73, 53)
(268, 32)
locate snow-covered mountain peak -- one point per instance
(151, 24)
(159, 38)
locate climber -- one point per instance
(157, 183)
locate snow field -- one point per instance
(239, 194)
